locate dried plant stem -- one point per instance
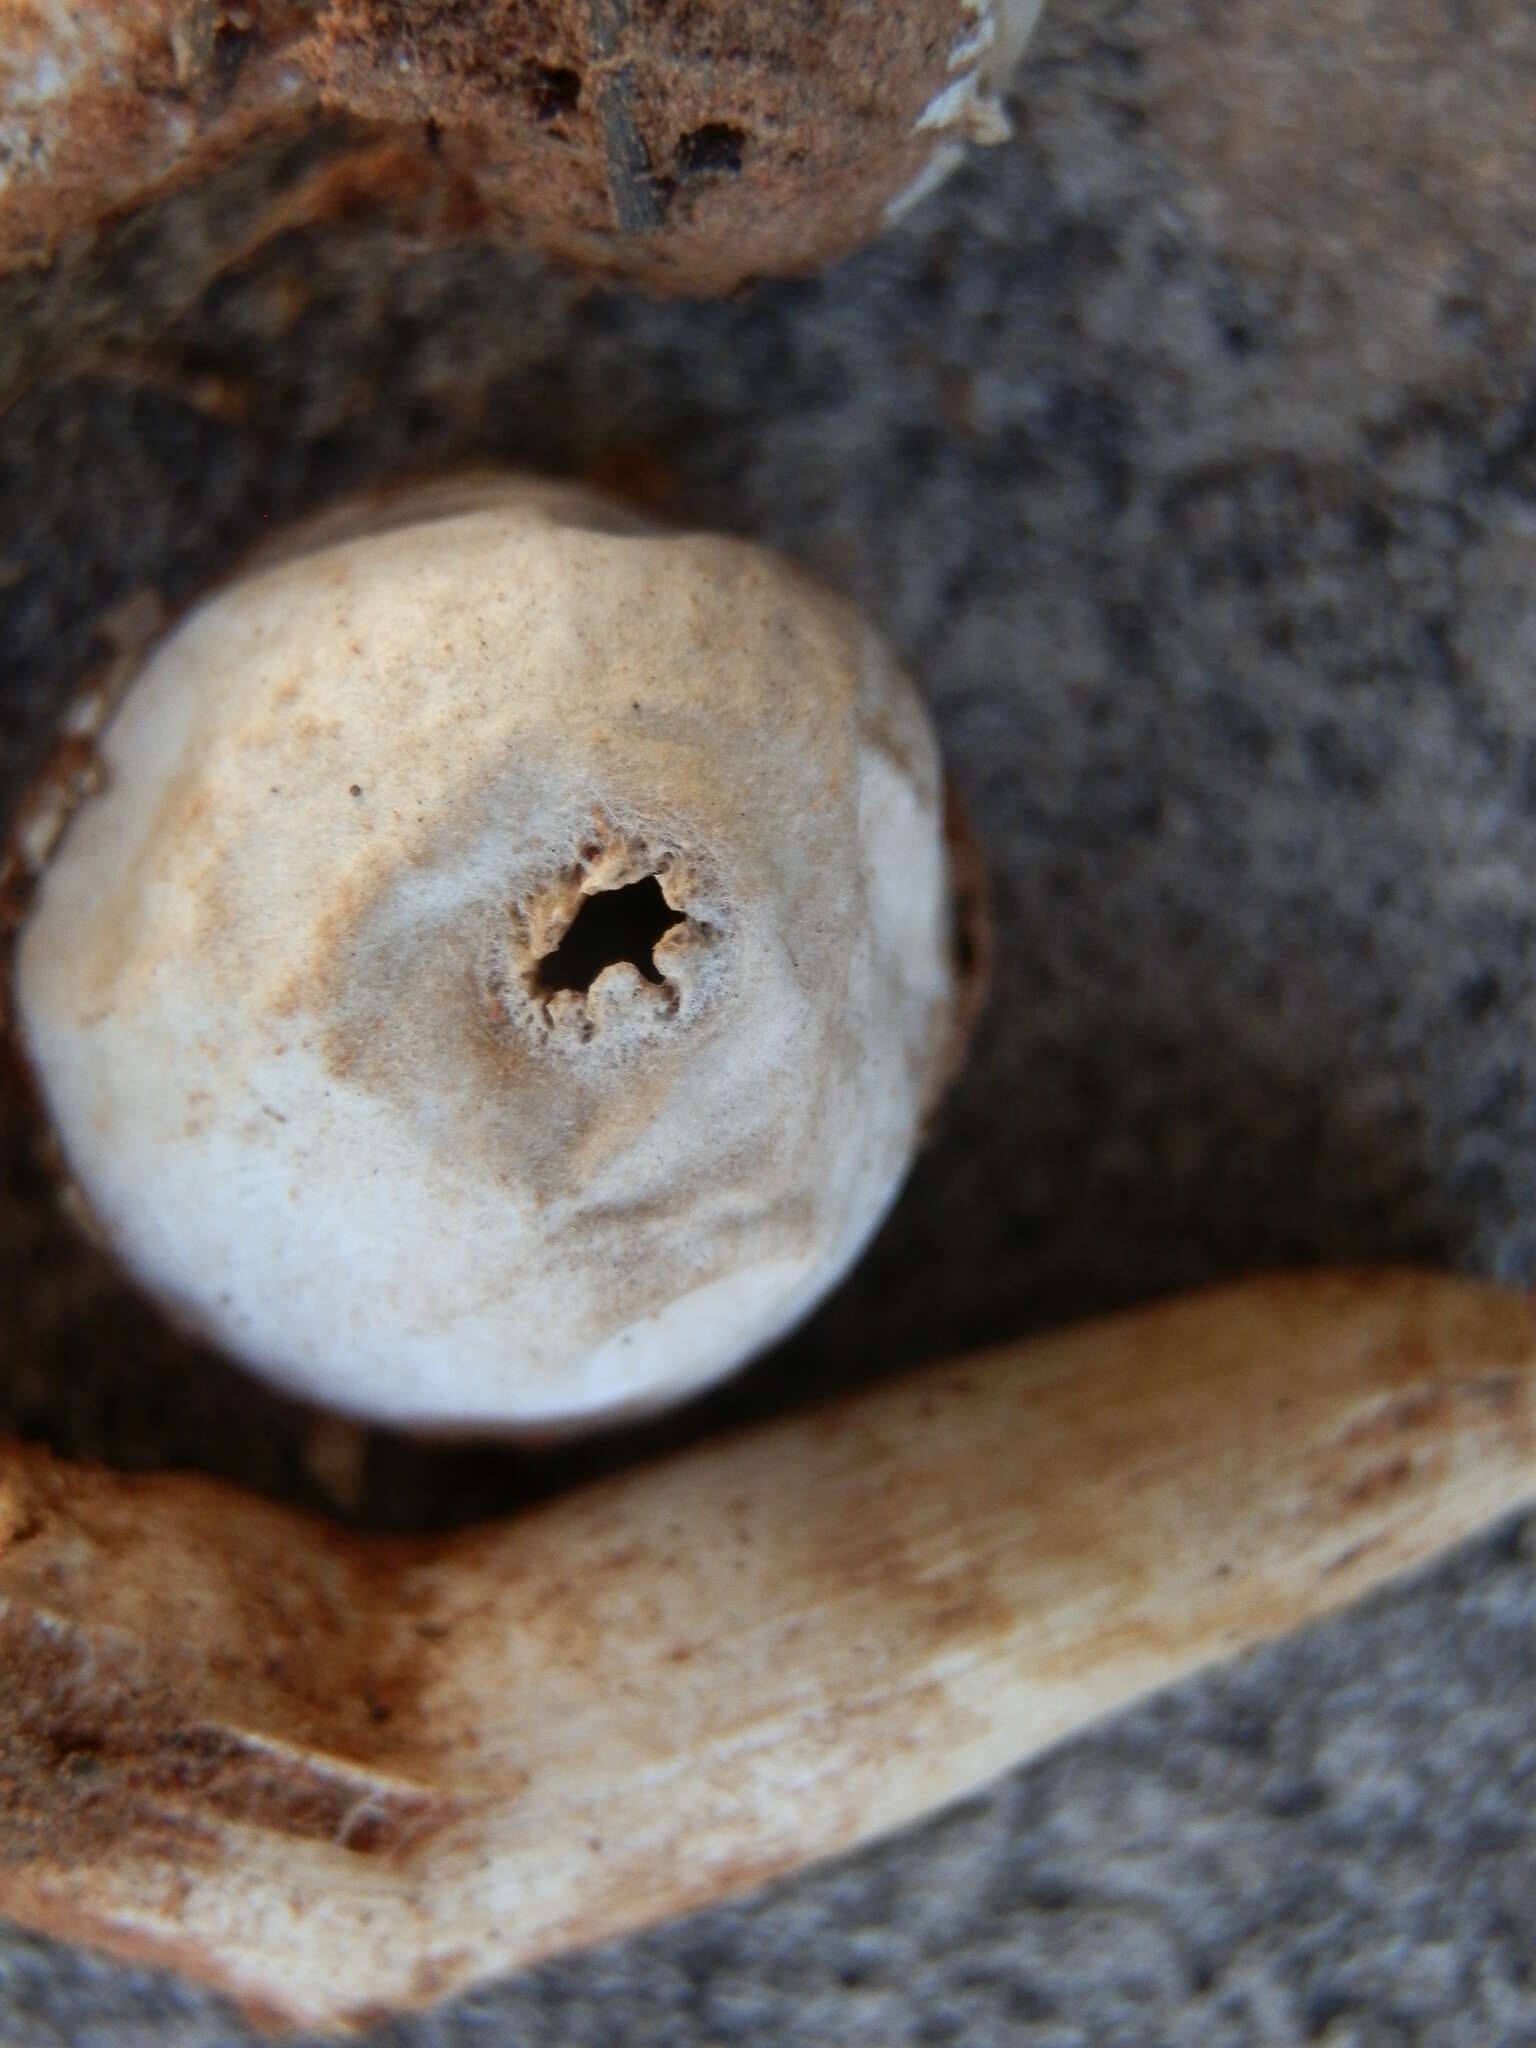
(338, 1774)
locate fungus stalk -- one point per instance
(338, 1775)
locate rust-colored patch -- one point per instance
(66, 1719)
(1379, 1479)
(971, 914)
(156, 1690)
(19, 1520)
(239, 1777)
(1419, 1408)
(636, 476)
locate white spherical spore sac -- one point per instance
(502, 981)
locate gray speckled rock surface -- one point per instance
(1187, 447)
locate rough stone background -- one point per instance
(1187, 447)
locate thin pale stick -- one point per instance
(338, 1775)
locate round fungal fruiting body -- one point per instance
(502, 980)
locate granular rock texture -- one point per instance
(1186, 448)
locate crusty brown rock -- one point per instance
(687, 146)
(338, 1774)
